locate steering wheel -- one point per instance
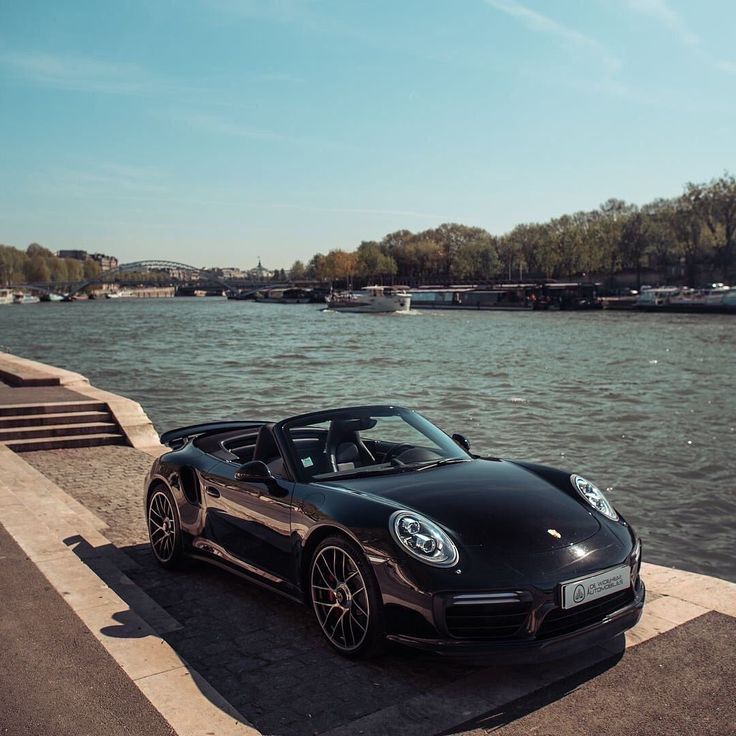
(395, 451)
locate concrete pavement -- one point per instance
(56, 679)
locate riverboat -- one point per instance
(501, 298)
(51, 297)
(376, 299)
(122, 294)
(21, 298)
(293, 295)
(717, 299)
(6, 296)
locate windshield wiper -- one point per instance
(444, 461)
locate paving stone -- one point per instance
(263, 654)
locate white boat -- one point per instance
(371, 299)
(6, 296)
(657, 297)
(21, 298)
(122, 294)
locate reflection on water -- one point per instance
(642, 404)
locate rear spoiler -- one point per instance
(182, 435)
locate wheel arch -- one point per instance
(155, 482)
(317, 535)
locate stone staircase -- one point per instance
(57, 425)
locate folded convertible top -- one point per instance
(184, 434)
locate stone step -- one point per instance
(59, 443)
(37, 420)
(55, 407)
(57, 430)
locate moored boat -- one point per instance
(6, 296)
(377, 299)
(21, 298)
(718, 299)
(293, 295)
(122, 294)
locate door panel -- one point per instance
(250, 522)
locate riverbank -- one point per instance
(251, 658)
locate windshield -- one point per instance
(367, 441)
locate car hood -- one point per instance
(492, 503)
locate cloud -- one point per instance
(661, 12)
(102, 179)
(357, 211)
(541, 23)
(77, 73)
(221, 126)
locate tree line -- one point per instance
(689, 238)
(37, 264)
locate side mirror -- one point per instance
(256, 471)
(458, 439)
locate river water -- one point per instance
(642, 404)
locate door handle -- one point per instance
(213, 492)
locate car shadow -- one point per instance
(516, 709)
(266, 656)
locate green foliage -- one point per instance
(297, 272)
(684, 238)
(39, 265)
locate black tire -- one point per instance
(164, 529)
(346, 599)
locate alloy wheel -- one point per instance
(162, 526)
(340, 598)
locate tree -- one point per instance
(373, 263)
(12, 265)
(297, 272)
(91, 269)
(476, 260)
(340, 264)
(688, 231)
(452, 237)
(34, 249)
(37, 270)
(715, 204)
(316, 268)
(74, 269)
(633, 241)
(59, 271)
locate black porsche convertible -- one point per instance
(390, 529)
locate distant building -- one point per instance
(77, 255)
(107, 263)
(259, 273)
(230, 273)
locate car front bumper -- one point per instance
(533, 650)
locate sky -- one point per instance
(218, 132)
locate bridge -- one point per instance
(139, 269)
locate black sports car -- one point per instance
(388, 528)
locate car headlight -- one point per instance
(422, 539)
(594, 496)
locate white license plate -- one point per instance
(577, 592)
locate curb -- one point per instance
(80, 564)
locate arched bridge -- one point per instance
(140, 268)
